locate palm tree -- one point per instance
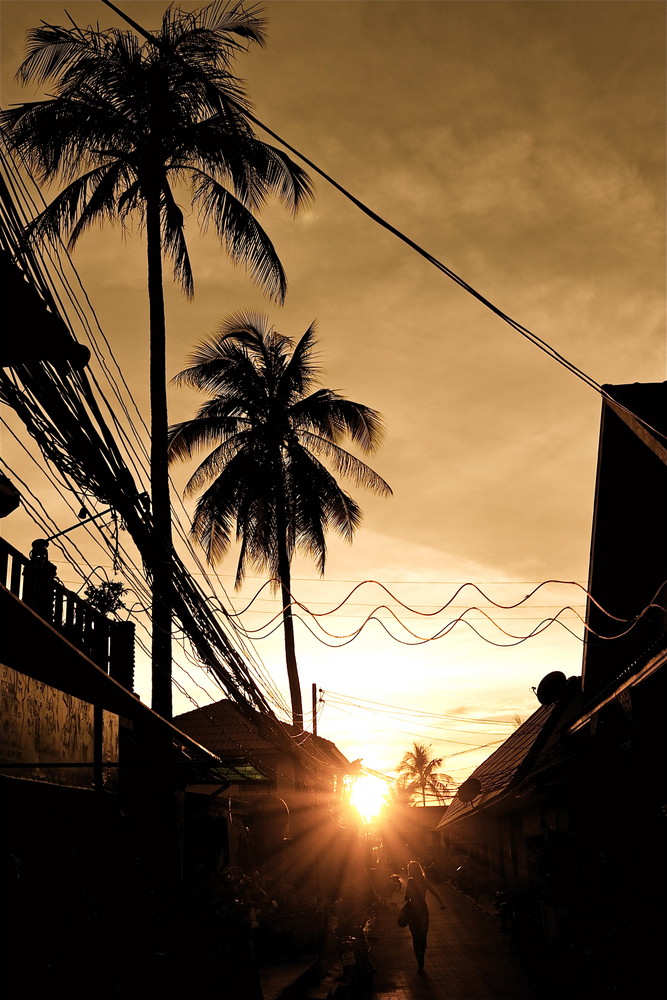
(419, 772)
(271, 431)
(127, 121)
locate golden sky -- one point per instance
(522, 143)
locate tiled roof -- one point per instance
(322, 751)
(223, 728)
(228, 730)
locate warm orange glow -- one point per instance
(368, 796)
(479, 517)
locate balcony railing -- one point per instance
(108, 643)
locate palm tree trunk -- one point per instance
(290, 656)
(162, 568)
(288, 621)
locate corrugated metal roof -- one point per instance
(503, 767)
(228, 773)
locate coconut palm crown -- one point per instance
(419, 773)
(274, 451)
(128, 123)
(129, 120)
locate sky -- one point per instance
(522, 144)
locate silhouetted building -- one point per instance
(568, 816)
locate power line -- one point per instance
(379, 706)
(533, 338)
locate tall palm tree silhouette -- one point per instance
(127, 121)
(272, 435)
(420, 773)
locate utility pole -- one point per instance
(314, 710)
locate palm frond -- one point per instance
(173, 239)
(191, 436)
(335, 417)
(205, 34)
(55, 51)
(245, 240)
(56, 138)
(246, 326)
(217, 462)
(266, 463)
(221, 364)
(345, 464)
(276, 173)
(99, 200)
(300, 372)
(223, 147)
(86, 200)
(317, 503)
(212, 526)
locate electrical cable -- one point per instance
(543, 346)
(55, 438)
(533, 338)
(412, 734)
(543, 623)
(380, 707)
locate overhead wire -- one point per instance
(22, 195)
(128, 573)
(55, 262)
(543, 623)
(94, 530)
(31, 399)
(527, 334)
(270, 688)
(411, 732)
(379, 706)
(522, 330)
(415, 609)
(46, 522)
(29, 406)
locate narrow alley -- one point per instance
(468, 958)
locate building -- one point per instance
(286, 804)
(91, 794)
(568, 816)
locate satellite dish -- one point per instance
(551, 687)
(469, 790)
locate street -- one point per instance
(467, 958)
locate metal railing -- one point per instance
(108, 643)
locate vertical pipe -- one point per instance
(314, 711)
(98, 748)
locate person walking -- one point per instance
(418, 916)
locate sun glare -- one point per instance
(368, 796)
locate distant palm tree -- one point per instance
(127, 121)
(419, 772)
(271, 432)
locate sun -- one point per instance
(368, 796)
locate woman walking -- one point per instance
(415, 893)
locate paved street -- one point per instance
(467, 958)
